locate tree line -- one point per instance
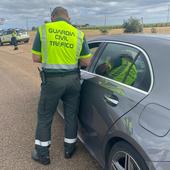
(132, 25)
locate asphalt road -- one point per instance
(19, 94)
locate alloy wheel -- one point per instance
(123, 161)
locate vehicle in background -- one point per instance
(6, 36)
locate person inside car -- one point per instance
(121, 69)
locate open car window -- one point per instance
(94, 46)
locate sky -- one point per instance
(28, 13)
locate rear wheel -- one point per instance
(11, 43)
(26, 41)
(124, 157)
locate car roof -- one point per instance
(154, 45)
(137, 39)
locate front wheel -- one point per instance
(26, 41)
(124, 157)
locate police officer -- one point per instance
(14, 39)
(60, 48)
(122, 69)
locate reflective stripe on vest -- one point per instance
(44, 44)
(79, 45)
(56, 53)
(59, 66)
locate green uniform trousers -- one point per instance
(53, 88)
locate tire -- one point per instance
(26, 41)
(118, 158)
(11, 42)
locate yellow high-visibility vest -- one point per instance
(119, 73)
(61, 45)
(14, 34)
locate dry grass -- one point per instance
(159, 30)
(93, 33)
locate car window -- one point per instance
(94, 46)
(9, 32)
(5, 33)
(124, 64)
(143, 78)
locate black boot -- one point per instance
(15, 47)
(69, 150)
(45, 160)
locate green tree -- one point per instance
(132, 25)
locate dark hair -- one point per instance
(59, 12)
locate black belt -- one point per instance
(53, 74)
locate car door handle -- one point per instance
(111, 100)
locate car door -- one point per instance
(7, 36)
(3, 37)
(103, 99)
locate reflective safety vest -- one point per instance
(119, 73)
(14, 34)
(61, 45)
